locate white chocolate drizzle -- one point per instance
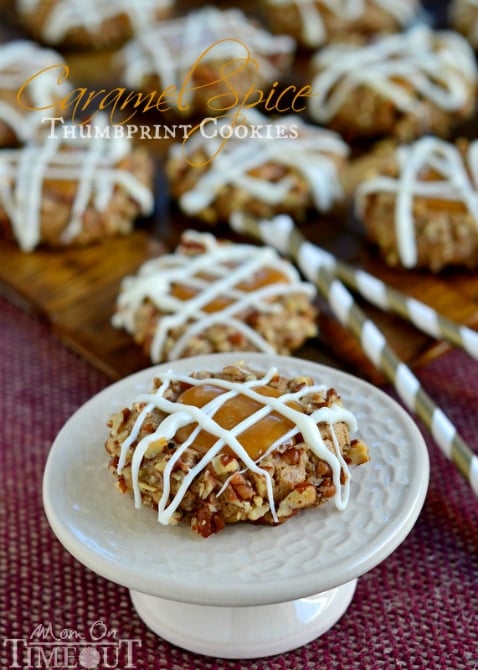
(170, 48)
(91, 161)
(313, 152)
(19, 60)
(226, 266)
(181, 414)
(66, 15)
(436, 67)
(455, 180)
(314, 30)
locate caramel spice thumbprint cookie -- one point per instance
(421, 209)
(205, 62)
(213, 296)
(70, 192)
(258, 166)
(89, 24)
(210, 449)
(315, 23)
(401, 86)
(24, 99)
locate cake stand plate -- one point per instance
(244, 632)
(248, 591)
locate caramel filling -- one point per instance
(263, 277)
(255, 439)
(451, 206)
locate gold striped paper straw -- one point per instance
(383, 296)
(377, 292)
(288, 240)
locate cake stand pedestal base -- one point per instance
(244, 632)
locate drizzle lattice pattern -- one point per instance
(314, 30)
(181, 415)
(171, 47)
(90, 14)
(90, 160)
(455, 179)
(17, 60)
(313, 152)
(226, 266)
(437, 67)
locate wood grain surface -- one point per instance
(75, 290)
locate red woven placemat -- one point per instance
(417, 610)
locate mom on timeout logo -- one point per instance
(97, 648)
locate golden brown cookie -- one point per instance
(235, 445)
(25, 99)
(73, 191)
(421, 208)
(89, 24)
(314, 23)
(204, 63)
(257, 165)
(404, 85)
(211, 296)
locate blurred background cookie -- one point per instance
(212, 296)
(258, 166)
(314, 23)
(89, 24)
(205, 62)
(24, 98)
(421, 209)
(73, 191)
(402, 85)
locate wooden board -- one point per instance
(75, 290)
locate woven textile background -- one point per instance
(417, 610)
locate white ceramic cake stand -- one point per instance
(248, 591)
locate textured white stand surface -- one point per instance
(244, 632)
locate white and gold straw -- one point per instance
(388, 299)
(282, 234)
